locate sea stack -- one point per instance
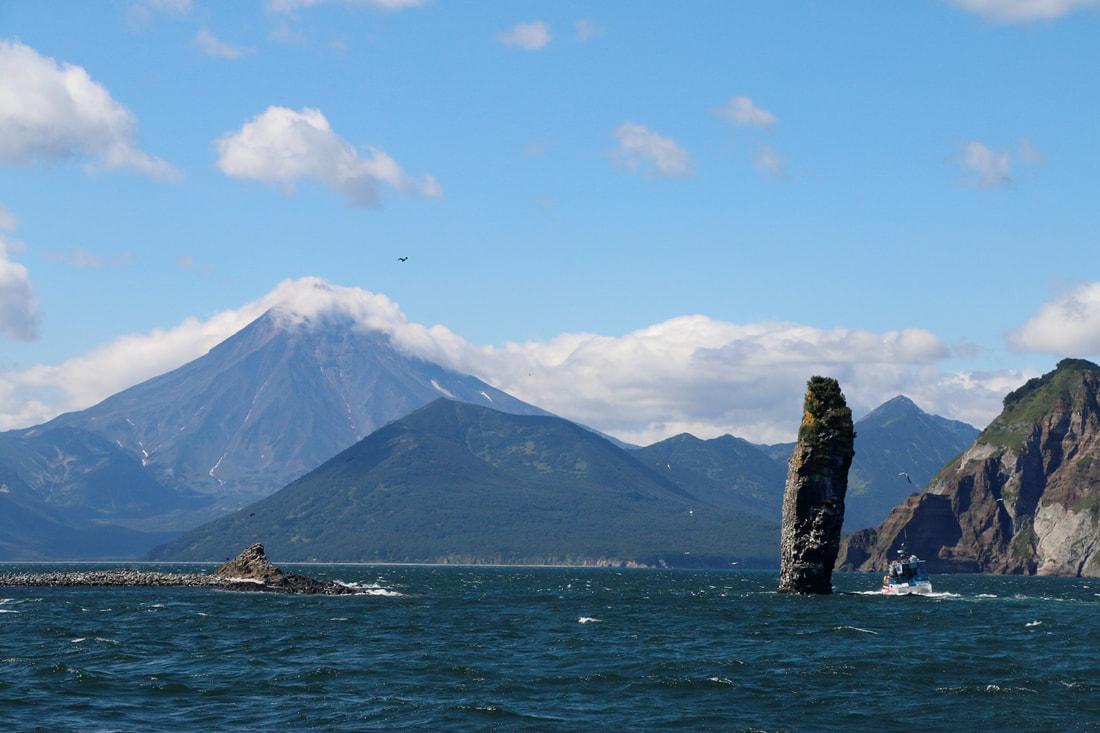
(813, 500)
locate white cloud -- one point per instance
(289, 6)
(142, 12)
(82, 259)
(692, 373)
(644, 151)
(210, 45)
(989, 167)
(1069, 325)
(51, 111)
(769, 162)
(585, 30)
(1022, 11)
(19, 314)
(282, 147)
(742, 111)
(528, 36)
(8, 221)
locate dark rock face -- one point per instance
(813, 500)
(252, 567)
(1023, 499)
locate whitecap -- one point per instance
(6, 610)
(101, 640)
(720, 680)
(77, 640)
(203, 614)
(157, 605)
(339, 618)
(986, 595)
(372, 589)
(379, 592)
(1029, 624)
(6, 600)
(854, 628)
(588, 620)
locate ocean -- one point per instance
(553, 649)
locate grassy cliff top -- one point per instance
(1036, 398)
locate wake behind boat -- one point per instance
(906, 576)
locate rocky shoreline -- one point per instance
(250, 571)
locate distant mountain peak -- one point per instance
(895, 406)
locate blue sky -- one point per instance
(927, 165)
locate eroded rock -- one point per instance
(813, 499)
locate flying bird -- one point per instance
(903, 473)
(402, 259)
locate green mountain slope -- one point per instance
(898, 436)
(726, 471)
(462, 483)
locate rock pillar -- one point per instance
(813, 500)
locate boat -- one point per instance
(906, 576)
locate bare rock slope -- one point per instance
(1023, 499)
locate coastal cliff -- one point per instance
(813, 498)
(1023, 499)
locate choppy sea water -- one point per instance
(457, 648)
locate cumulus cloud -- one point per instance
(19, 314)
(528, 36)
(1069, 325)
(282, 147)
(210, 45)
(989, 168)
(52, 112)
(1022, 11)
(742, 111)
(289, 6)
(692, 373)
(642, 150)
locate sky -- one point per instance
(652, 217)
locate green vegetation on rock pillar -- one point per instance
(813, 499)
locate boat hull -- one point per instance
(921, 588)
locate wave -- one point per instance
(254, 581)
(372, 589)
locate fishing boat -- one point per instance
(906, 576)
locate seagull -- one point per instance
(402, 259)
(903, 473)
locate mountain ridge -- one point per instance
(459, 481)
